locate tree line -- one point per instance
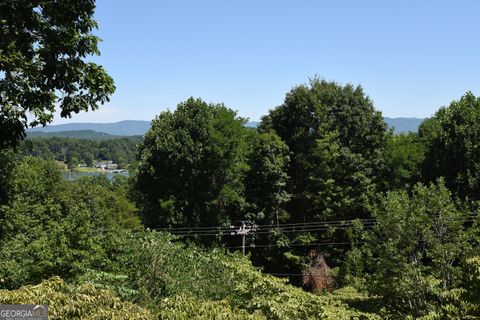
(75, 151)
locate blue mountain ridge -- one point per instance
(122, 128)
(139, 127)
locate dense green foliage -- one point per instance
(451, 138)
(213, 275)
(190, 165)
(337, 140)
(67, 302)
(54, 227)
(74, 151)
(415, 250)
(323, 155)
(404, 157)
(167, 276)
(78, 230)
(396, 217)
(6, 167)
(266, 179)
(43, 49)
(188, 283)
(335, 136)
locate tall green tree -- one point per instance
(452, 149)
(191, 166)
(43, 49)
(336, 137)
(266, 179)
(337, 140)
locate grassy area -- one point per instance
(61, 165)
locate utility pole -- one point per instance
(243, 231)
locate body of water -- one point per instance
(72, 175)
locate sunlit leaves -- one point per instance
(43, 50)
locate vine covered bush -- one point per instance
(68, 302)
(162, 268)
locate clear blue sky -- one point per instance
(411, 57)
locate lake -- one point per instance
(72, 175)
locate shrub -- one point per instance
(68, 302)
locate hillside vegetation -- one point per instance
(74, 151)
(90, 239)
(319, 211)
(339, 217)
(188, 283)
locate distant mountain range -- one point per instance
(98, 131)
(252, 124)
(78, 134)
(122, 128)
(403, 124)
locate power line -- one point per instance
(317, 222)
(309, 227)
(267, 226)
(298, 245)
(271, 231)
(312, 229)
(303, 226)
(261, 230)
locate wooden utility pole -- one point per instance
(243, 231)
